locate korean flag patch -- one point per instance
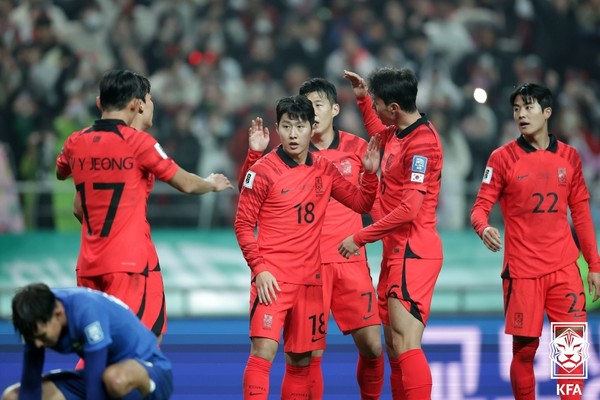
(419, 166)
(249, 179)
(93, 333)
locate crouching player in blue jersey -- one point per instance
(122, 358)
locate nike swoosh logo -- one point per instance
(254, 393)
(520, 177)
(578, 315)
(366, 317)
(317, 339)
(285, 191)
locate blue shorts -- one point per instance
(72, 384)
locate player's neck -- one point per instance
(405, 120)
(123, 115)
(539, 140)
(323, 140)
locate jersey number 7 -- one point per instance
(117, 189)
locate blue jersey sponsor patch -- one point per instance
(419, 164)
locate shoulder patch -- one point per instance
(487, 175)
(160, 151)
(249, 179)
(93, 333)
(419, 164)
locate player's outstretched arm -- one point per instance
(359, 86)
(190, 183)
(258, 140)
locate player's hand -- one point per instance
(348, 248)
(258, 135)
(491, 238)
(359, 86)
(219, 182)
(372, 156)
(266, 287)
(594, 284)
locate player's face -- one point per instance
(48, 333)
(383, 111)
(530, 117)
(295, 137)
(324, 112)
(143, 121)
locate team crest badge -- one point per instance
(267, 321)
(562, 176)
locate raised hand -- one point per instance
(258, 136)
(359, 86)
(372, 156)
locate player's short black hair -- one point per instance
(32, 304)
(394, 85)
(319, 85)
(119, 86)
(296, 107)
(531, 92)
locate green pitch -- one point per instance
(584, 273)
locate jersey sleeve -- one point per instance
(63, 168)
(405, 212)
(360, 200)
(582, 217)
(255, 190)
(373, 124)
(31, 375)
(491, 186)
(153, 158)
(94, 328)
(252, 157)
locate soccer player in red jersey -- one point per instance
(537, 179)
(287, 193)
(347, 286)
(113, 167)
(412, 250)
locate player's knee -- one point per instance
(11, 393)
(370, 347)
(115, 382)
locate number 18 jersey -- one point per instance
(113, 168)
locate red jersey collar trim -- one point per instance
(408, 130)
(528, 148)
(335, 143)
(288, 160)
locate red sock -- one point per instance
(256, 378)
(521, 369)
(316, 378)
(396, 380)
(578, 371)
(369, 374)
(416, 375)
(80, 364)
(296, 383)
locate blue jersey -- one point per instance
(96, 320)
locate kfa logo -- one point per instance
(569, 352)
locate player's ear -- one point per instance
(547, 112)
(98, 104)
(335, 109)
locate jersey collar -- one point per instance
(406, 131)
(528, 148)
(106, 125)
(335, 143)
(288, 160)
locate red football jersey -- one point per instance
(535, 188)
(288, 202)
(346, 152)
(412, 159)
(113, 168)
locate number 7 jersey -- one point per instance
(113, 168)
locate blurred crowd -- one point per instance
(214, 65)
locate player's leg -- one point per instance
(410, 289)
(266, 323)
(148, 379)
(524, 317)
(303, 333)
(565, 302)
(56, 385)
(354, 308)
(49, 392)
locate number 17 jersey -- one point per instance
(113, 168)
